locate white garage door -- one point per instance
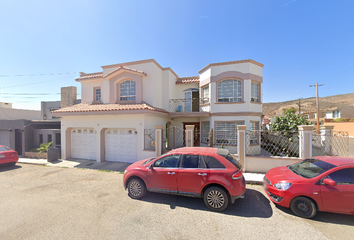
(5, 138)
(121, 145)
(83, 143)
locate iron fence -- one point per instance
(173, 137)
(335, 143)
(279, 143)
(190, 105)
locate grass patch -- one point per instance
(121, 172)
(64, 167)
(102, 170)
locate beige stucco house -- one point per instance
(126, 100)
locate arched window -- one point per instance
(230, 90)
(127, 91)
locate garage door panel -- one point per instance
(83, 143)
(121, 145)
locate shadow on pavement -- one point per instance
(326, 217)
(255, 204)
(4, 168)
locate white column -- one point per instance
(241, 145)
(158, 140)
(305, 141)
(326, 139)
(189, 135)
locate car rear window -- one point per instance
(226, 154)
(2, 149)
(212, 162)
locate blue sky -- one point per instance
(300, 42)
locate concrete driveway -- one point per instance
(40, 202)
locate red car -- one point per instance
(314, 184)
(8, 156)
(209, 173)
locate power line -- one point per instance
(33, 83)
(35, 75)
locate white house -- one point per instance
(124, 102)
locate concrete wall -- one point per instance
(342, 126)
(347, 111)
(264, 164)
(68, 96)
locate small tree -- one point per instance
(44, 147)
(289, 121)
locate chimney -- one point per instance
(68, 96)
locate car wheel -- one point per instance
(136, 188)
(303, 207)
(216, 199)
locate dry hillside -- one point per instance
(309, 104)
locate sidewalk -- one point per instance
(253, 178)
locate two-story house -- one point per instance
(125, 100)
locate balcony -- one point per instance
(190, 107)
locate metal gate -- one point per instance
(173, 137)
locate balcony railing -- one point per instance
(190, 105)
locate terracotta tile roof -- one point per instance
(96, 107)
(187, 80)
(86, 76)
(126, 68)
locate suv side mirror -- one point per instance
(329, 182)
(151, 166)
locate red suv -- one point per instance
(209, 173)
(320, 183)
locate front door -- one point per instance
(339, 198)
(196, 132)
(163, 174)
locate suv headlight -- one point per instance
(283, 185)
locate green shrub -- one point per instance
(44, 147)
(351, 120)
(339, 120)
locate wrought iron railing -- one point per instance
(279, 143)
(190, 105)
(149, 139)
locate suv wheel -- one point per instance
(303, 207)
(216, 199)
(136, 188)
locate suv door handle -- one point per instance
(171, 173)
(202, 174)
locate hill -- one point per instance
(309, 104)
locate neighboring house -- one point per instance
(340, 112)
(9, 113)
(126, 100)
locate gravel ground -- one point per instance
(60, 203)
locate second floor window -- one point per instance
(230, 91)
(205, 95)
(254, 92)
(97, 94)
(127, 91)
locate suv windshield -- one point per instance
(310, 168)
(147, 161)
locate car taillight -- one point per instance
(237, 175)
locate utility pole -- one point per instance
(317, 104)
(299, 105)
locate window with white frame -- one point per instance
(226, 132)
(254, 133)
(205, 132)
(230, 90)
(127, 91)
(98, 94)
(205, 95)
(254, 92)
(335, 114)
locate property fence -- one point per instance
(279, 143)
(334, 143)
(218, 139)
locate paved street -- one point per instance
(40, 202)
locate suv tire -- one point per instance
(136, 188)
(216, 199)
